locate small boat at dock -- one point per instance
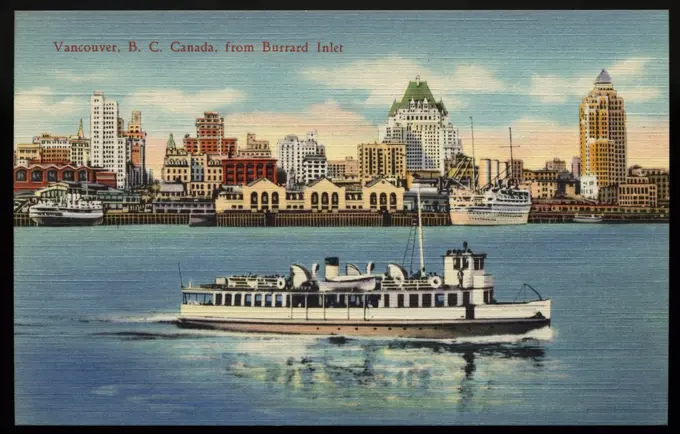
(587, 219)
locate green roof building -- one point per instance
(421, 122)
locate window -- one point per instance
(413, 300)
(268, 300)
(218, 299)
(21, 175)
(36, 175)
(427, 300)
(387, 300)
(439, 300)
(237, 299)
(248, 300)
(258, 300)
(227, 299)
(453, 299)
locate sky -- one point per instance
(521, 69)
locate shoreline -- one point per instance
(341, 219)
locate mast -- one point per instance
(420, 236)
(474, 174)
(512, 162)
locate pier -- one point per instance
(342, 219)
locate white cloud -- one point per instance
(85, 77)
(179, 102)
(384, 80)
(40, 109)
(626, 74)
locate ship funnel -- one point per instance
(331, 267)
(315, 271)
(370, 267)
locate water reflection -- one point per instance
(353, 372)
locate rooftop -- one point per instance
(603, 78)
(418, 91)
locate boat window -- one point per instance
(456, 263)
(373, 300)
(218, 299)
(487, 297)
(258, 300)
(465, 263)
(248, 300)
(184, 299)
(268, 300)
(298, 301)
(227, 299)
(439, 300)
(400, 300)
(453, 299)
(413, 300)
(427, 300)
(278, 300)
(341, 301)
(237, 299)
(387, 300)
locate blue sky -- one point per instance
(528, 70)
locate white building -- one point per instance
(80, 147)
(292, 152)
(314, 166)
(589, 188)
(422, 124)
(107, 146)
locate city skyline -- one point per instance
(508, 77)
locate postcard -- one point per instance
(341, 217)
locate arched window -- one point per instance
(82, 175)
(315, 198)
(67, 175)
(21, 175)
(265, 198)
(374, 199)
(383, 198)
(253, 200)
(275, 198)
(335, 199)
(393, 199)
(324, 198)
(52, 176)
(37, 175)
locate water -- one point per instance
(95, 342)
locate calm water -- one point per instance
(95, 342)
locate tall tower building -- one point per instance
(108, 147)
(80, 147)
(422, 124)
(136, 148)
(603, 134)
(292, 152)
(210, 137)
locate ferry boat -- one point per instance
(69, 210)
(587, 219)
(421, 305)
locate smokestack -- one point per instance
(331, 267)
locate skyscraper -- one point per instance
(603, 134)
(107, 145)
(422, 124)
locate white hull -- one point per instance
(488, 218)
(587, 220)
